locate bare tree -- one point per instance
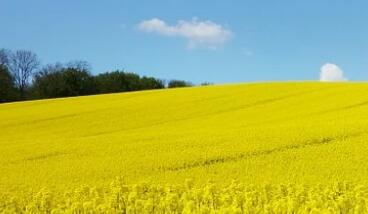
(51, 68)
(22, 64)
(79, 65)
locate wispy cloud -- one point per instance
(198, 33)
(332, 73)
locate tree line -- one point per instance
(22, 77)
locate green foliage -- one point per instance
(119, 81)
(151, 83)
(63, 82)
(206, 83)
(22, 80)
(7, 88)
(179, 83)
(59, 81)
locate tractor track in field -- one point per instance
(40, 157)
(248, 155)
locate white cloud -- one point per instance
(332, 73)
(198, 33)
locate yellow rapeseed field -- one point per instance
(241, 148)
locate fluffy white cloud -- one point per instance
(198, 33)
(332, 73)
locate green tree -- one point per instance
(179, 83)
(7, 87)
(59, 81)
(120, 81)
(151, 83)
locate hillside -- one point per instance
(264, 135)
(257, 133)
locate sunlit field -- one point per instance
(242, 148)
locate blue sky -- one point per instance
(250, 41)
